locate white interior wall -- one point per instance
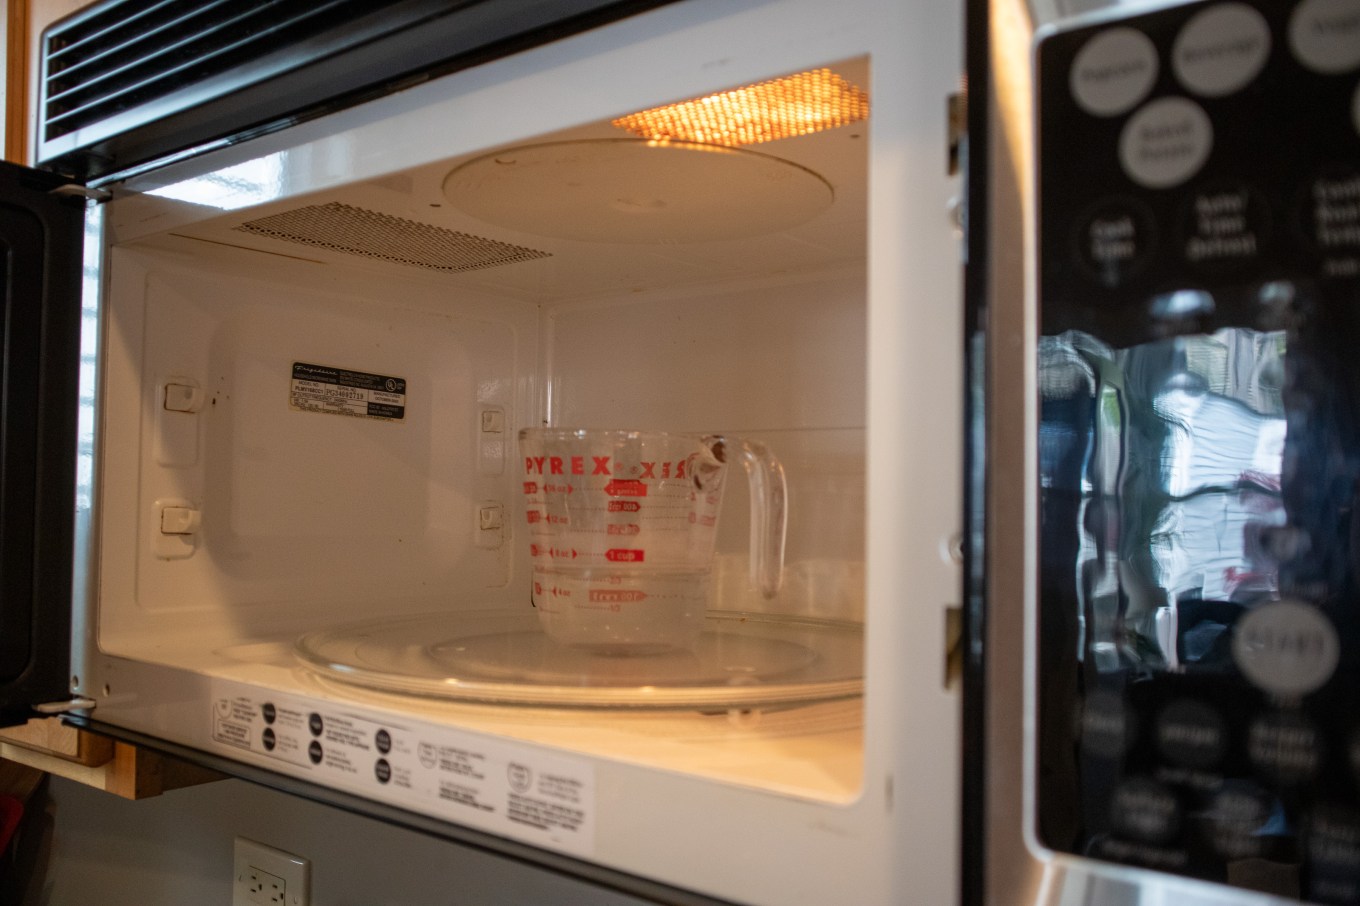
(176, 849)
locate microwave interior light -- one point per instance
(798, 104)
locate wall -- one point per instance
(177, 849)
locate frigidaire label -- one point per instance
(321, 388)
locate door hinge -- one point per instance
(76, 190)
(957, 113)
(78, 703)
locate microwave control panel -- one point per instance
(1199, 443)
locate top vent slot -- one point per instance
(134, 53)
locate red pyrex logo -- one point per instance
(602, 465)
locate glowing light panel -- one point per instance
(799, 104)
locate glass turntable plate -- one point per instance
(741, 661)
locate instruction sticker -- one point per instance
(497, 785)
(321, 388)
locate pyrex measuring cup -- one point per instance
(622, 527)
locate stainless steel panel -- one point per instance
(1016, 867)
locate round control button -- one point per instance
(382, 770)
(1355, 108)
(1288, 648)
(1114, 239)
(315, 752)
(1106, 730)
(1325, 35)
(1143, 809)
(1113, 72)
(1332, 844)
(1235, 815)
(1223, 226)
(1165, 143)
(1284, 746)
(383, 740)
(269, 739)
(1353, 751)
(1327, 215)
(1191, 734)
(1221, 49)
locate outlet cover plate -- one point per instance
(265, 876)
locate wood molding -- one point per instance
(132, 773)
(52, 736)
(16, 81)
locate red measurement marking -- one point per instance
(533, 516)
(624, 506)
(626, 487)
(622, 596)
(531, 487)
(629, 529)
(624, 555)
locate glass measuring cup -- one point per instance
(622, 527)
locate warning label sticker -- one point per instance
(321, 388)
(497, 785)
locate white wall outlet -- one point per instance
(265, 876)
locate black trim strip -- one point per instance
(973, 804)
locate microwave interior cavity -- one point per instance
(313, 386)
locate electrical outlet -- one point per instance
(265, 876)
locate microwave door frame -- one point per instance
(42, 225)
(1004, 860)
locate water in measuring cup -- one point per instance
(620, 611)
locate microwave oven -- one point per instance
(303, 316)
(1083, 422)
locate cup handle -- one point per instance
(769, 510)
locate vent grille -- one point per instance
(132, 53)
(356, 231)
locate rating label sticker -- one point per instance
(496, 785)
(339, 391)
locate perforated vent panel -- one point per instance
(356, 231)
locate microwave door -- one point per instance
(1171, 526)
(41, 228)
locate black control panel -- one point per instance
(1199, 443)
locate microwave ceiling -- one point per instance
(712, 214)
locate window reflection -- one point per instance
(241, 186)
(1167, 459)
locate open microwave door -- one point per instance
(40, 262)
(1172, 490)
